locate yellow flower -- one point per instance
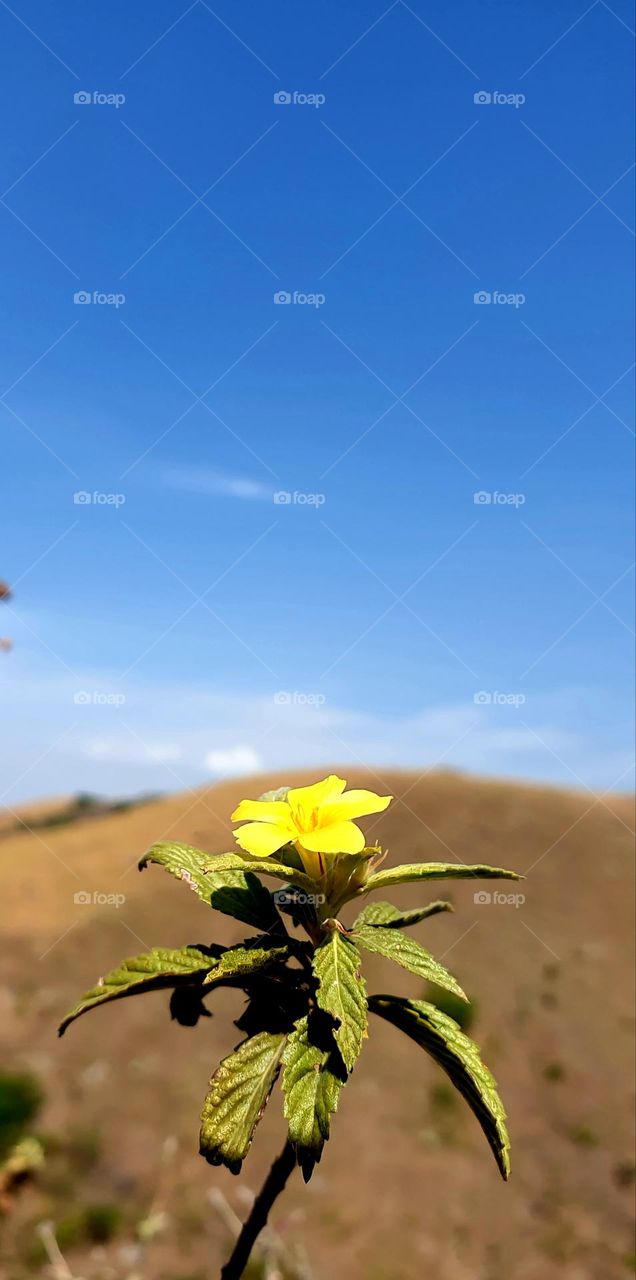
(317, 820)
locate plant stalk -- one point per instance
(252, 1227)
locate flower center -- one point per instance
(306, 821)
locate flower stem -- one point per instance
(271, 1188)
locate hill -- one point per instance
(407, 1187)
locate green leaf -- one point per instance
(342, 992)
(240, 860)
(232, 889)
(384, 913)
(461, 1060)
(435, 871)
(149, 972)
(312, 1079)
(237, 1097)
(406, 952)
(241, 894)
(246, 958)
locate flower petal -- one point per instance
(353, 804)
(261, 811)
(309, 798)
(340, 837)
(261, 838)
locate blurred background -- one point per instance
(318, 434)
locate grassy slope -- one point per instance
(407, 1186)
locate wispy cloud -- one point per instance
(215, 484)
(118, 751)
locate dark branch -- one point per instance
(272, 1187)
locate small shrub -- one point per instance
(554, 1072)
(101, 1222)
(443, 1099)
(624, 1173)
(20, 1100)
(583, 1136)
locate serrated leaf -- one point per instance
(412, 871)
(342, 992)
(390, 917)
(241, 894)
(231, 888)
(312, 1079)
(237, 1096)
(461, 1060)
(243, 861)
(407, 953)
(150, 972)
(247, 958)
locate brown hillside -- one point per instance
(407, 1187)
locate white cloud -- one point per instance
(234, 761)
(214, 484)
(170, 736)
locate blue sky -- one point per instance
(181, 623)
